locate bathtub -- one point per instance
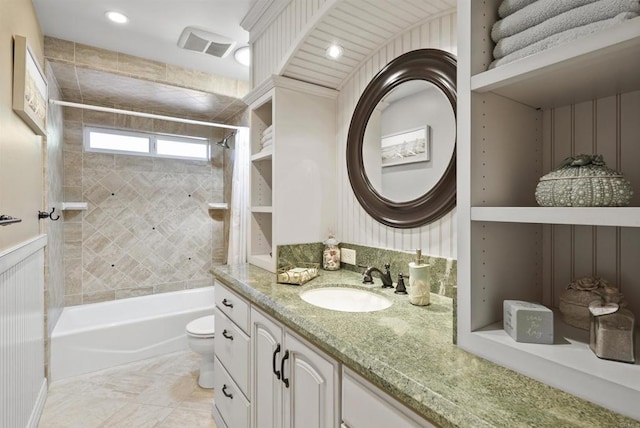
(96, 336)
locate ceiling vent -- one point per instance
(206, 42)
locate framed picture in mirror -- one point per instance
(405, 147)
(29, 87)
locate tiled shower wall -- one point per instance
(148, 229)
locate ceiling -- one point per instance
(153, 29)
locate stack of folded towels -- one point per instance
(267, 138)
(529, 26)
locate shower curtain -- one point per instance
(237, 252)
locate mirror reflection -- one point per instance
(409, 140)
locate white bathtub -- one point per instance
(101, 335)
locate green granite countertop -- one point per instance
(407, 351)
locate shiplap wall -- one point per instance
(608, 126)
(354, 224)
(272, 45)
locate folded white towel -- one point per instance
(268, 130)
(583, 15)
(507, 7)
(267, 143)
(563, 37)
(267, 137)
(531, 15)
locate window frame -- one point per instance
(151, 136)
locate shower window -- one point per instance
(109, 140)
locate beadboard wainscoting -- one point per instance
(24, 386)
(354, 224)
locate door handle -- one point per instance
(226, 394)
(226, 335)
(284, 358)
(273, 362)
(227, 303)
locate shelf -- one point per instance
(595, 66)
(570, 351)
(218, 206)
(592, 216)
(266, 154)
(74, 206)
(262, 209)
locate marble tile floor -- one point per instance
(160, 392)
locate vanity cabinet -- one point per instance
(292, 183)
(516, 123)
(365, 406)
(295, 385)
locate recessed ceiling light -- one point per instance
(117, 17)
(334, 51)
(243, 55)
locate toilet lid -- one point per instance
(202, 326)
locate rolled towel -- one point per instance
(583, 15)
(531, 15)
(563, 37)
(507, 7)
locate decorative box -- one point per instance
(528, 322)
(583, 181)
(575, 300)
(297, 275)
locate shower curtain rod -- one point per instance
(142, 114)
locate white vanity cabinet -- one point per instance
(294, 385)
(295, 173)
(231, 372)
(365, 406)
(517, 122)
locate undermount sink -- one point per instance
(345, 299)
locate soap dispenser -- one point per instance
(419, 287)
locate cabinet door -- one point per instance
(267, 351)
(311, 396)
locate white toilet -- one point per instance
(200, 334)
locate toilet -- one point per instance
(200, 334)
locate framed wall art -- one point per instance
(405, 147)
(29, 87)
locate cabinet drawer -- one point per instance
(364, 405)
(232, 306)
(232, 349)
(230, 403)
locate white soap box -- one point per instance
(528, 322)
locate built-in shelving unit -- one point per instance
(218, 206)
(516, 123)
(293, 178)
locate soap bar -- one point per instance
(528, 322)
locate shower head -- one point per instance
(225, 141)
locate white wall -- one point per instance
(354, 224)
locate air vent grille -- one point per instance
(199, 40)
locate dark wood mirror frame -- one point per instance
(432, 65)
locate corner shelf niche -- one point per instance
(75, 206)
(516, 123)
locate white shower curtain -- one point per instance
(239, 209)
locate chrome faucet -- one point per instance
(387, 282)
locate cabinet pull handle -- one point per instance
(227, 303)
(224, 391)
(273, 362)
(284, 358)
(226, 335)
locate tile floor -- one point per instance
(160, 392)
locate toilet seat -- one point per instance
(201, 327)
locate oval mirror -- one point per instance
(402, 138)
